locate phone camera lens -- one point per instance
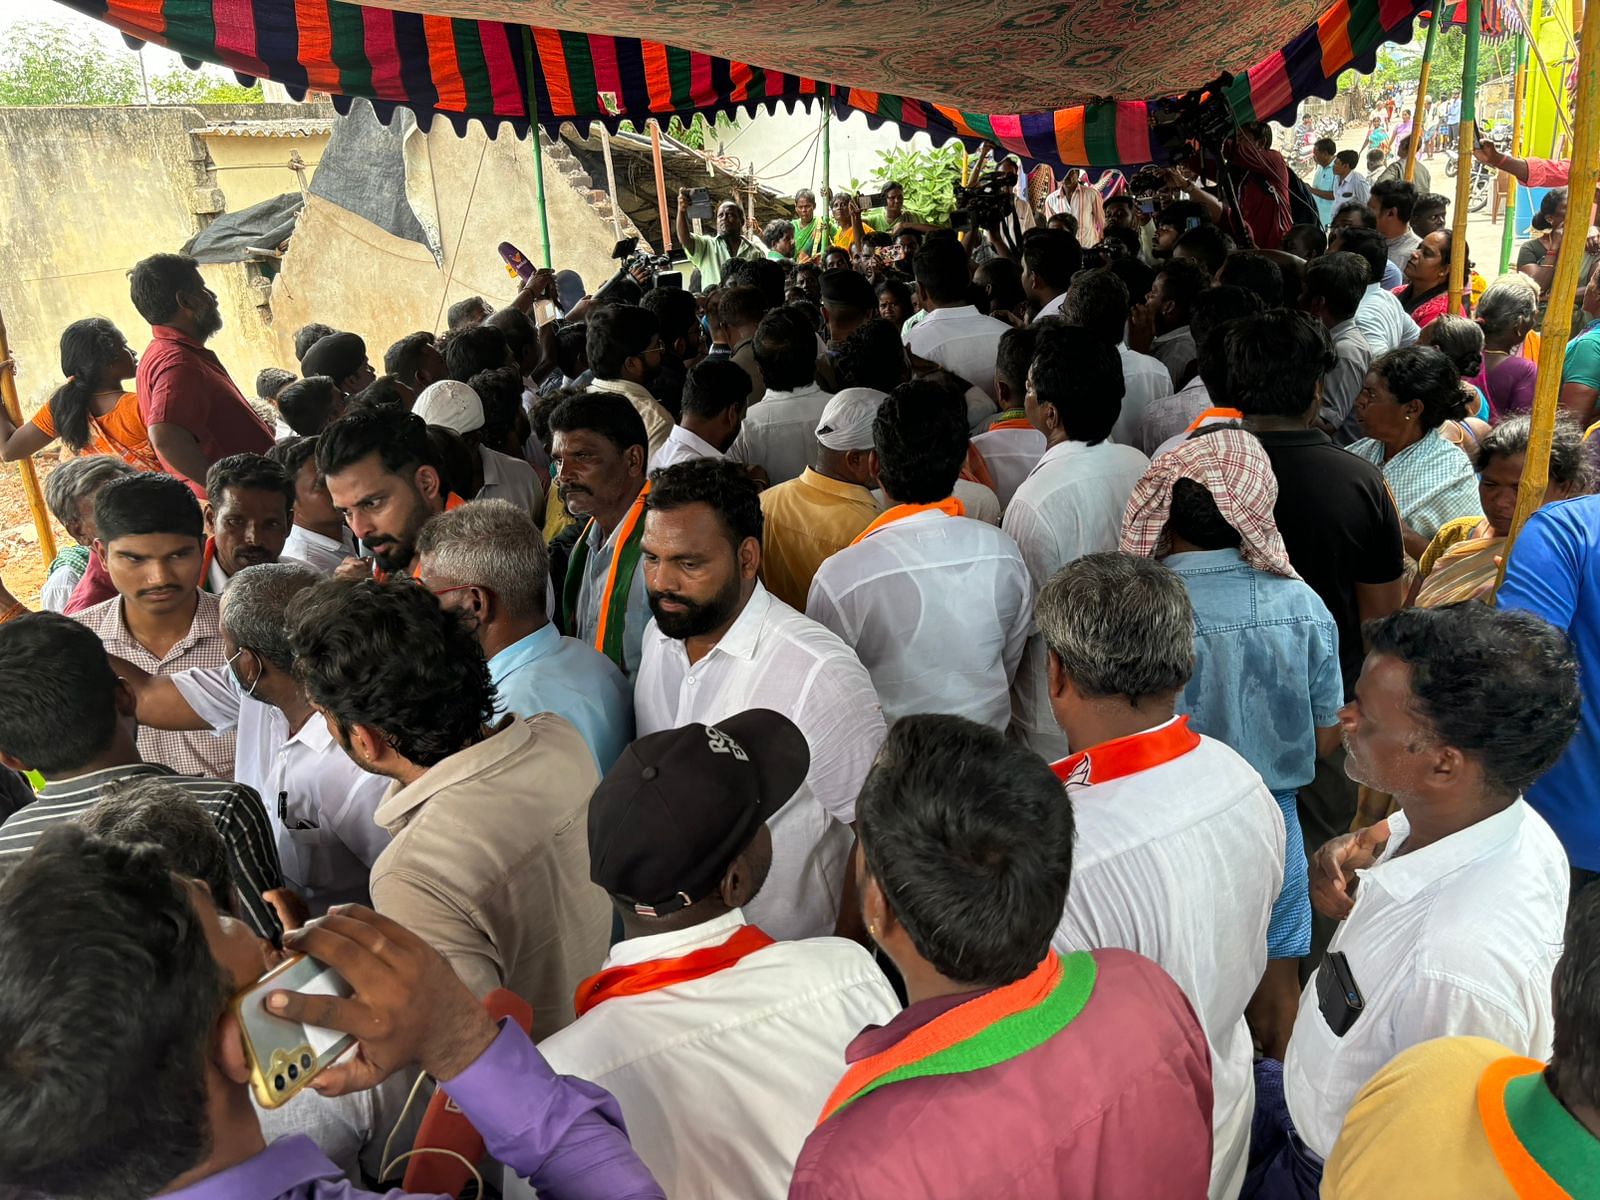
(278, 1083)
(305, 1062)
(294, 1071)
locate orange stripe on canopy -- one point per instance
(1071, 142)
(442, 63)
(316, 44)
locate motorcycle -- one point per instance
(1481, 180)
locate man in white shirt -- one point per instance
(459, 407)
(1334, 286)
(1171, 418)
(779, 431)
(1349, 183)
(722, 644)
(624, 348)
(1457, 924)
(1071, 502)
(937, 605)
(954, 335)
(1391, 202)
(319, 801)
(1049, 261)
(697, 1010)
(1099, 302)
(1154, 801)
(716, 395)
(1011, 446)
(1386, 325)
(319, 537)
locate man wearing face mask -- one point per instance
(321, 804)
(192, 408)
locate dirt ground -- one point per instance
(21, 567)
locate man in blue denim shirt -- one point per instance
(1266, 679)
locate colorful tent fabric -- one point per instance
(468, 69)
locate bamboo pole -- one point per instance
(1563, 291)
(1464, 160)
(538, 146)
(1422, 91)
(1518, 97)
(661, 185)
(30, 478)
(611, 184)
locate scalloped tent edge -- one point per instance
(650, 81)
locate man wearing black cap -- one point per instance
(342, 357)
(697, 1011)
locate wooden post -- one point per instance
(1422, 91)
(661, 185)
(611, 184)
(1518, 95)
(30, 478)
(1563, 291)
(1464, 159)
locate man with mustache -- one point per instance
(722, 644)
(151, 542)
(382, 475)
(248, 513)
(598, 449)
(194, 411)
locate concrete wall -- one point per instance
(87, 192)
(252, 169)
(348, 273)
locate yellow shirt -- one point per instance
(807, 519)
(1414, 1131)
(846, 237)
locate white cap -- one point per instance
(452, 404)
(846, 422)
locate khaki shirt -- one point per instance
(490, 865)
(657, 420)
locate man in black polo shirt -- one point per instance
(1336, 516)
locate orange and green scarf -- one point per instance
(989, 1029)
(1544, 1152)
(619, 581)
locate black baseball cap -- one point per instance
(677, 806)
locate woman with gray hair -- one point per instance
(69, 490)
(1508, 312)
(1464, 555)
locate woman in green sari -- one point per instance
(808, 241)
(1465, 554)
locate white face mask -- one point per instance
(250, 690)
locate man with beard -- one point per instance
(625, 352)
(599, 443)
(382, 475)
(711, 255)
(193, 410)
(722, 644)
(248, 513)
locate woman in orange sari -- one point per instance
(91, 412)
(1465, 554)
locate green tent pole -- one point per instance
(1469, 119)
(538, 149)
(1518, 96)
(1415, 144)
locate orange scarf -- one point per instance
(1125, 756)
(1215, 414)
(1011, 423)
(950, 506)
(645, 977)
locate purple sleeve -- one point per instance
(1522, 387)
(563, 1135)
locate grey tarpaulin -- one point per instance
(230, 236)
(382, 173)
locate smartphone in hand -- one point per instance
(284, 1056)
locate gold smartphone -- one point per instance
(286, 1055)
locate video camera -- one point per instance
(984, 204)
(1201, 116)
(623, 287)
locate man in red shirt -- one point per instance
(193, 410)
(1014, 1072)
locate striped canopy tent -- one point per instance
(472, 69)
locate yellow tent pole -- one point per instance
(1464, 131)
(1563, 290)
(1422, 91)
(30, 478)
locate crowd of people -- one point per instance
(1012, 712)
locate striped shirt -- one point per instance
(189, 753)
(237, 811)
